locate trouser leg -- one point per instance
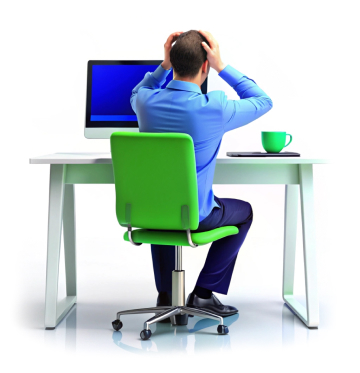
(163, 257)
(219, 265)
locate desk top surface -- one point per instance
(105, 158)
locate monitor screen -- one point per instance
(109, 87)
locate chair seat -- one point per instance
(178, 238)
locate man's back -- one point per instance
(181, 107)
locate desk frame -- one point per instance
(294, 176)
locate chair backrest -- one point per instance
(155, 180)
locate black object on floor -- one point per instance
(259, 154)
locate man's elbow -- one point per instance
(133, 102)
(269, 102)
(264, 104)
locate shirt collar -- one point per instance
(184, 86)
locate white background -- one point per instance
(304, 54)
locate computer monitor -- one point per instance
(109, 87)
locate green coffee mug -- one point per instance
(274, 142)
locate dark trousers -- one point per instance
(219, 265)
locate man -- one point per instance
(181, 107)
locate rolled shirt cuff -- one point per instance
(160, 74)
(231, 75)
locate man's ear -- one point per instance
(204, 67)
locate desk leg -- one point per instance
(54, 310)
(290, 230)
(70, 240)
(310, 314)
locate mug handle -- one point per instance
(288, 134)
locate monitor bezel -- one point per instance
(101, 129)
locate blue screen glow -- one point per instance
(111, 90)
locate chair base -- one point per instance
(178, 307)
(166, 312)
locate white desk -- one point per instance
(295, 173)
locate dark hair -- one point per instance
(187, 54)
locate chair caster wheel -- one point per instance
(222, 329)
(145, 334)
(117, 325)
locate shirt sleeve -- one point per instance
(151, 81)
(253, 103)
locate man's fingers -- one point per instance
(209, 37)
(173, 37)
(205, 33)
(176, 36)
(206, 47)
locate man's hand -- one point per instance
(166, 64)
(213, 52)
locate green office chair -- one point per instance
(156, 191)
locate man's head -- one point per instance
(188, 56)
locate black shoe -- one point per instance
(212, 305)
(163, 299)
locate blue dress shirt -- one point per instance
(181, 107)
